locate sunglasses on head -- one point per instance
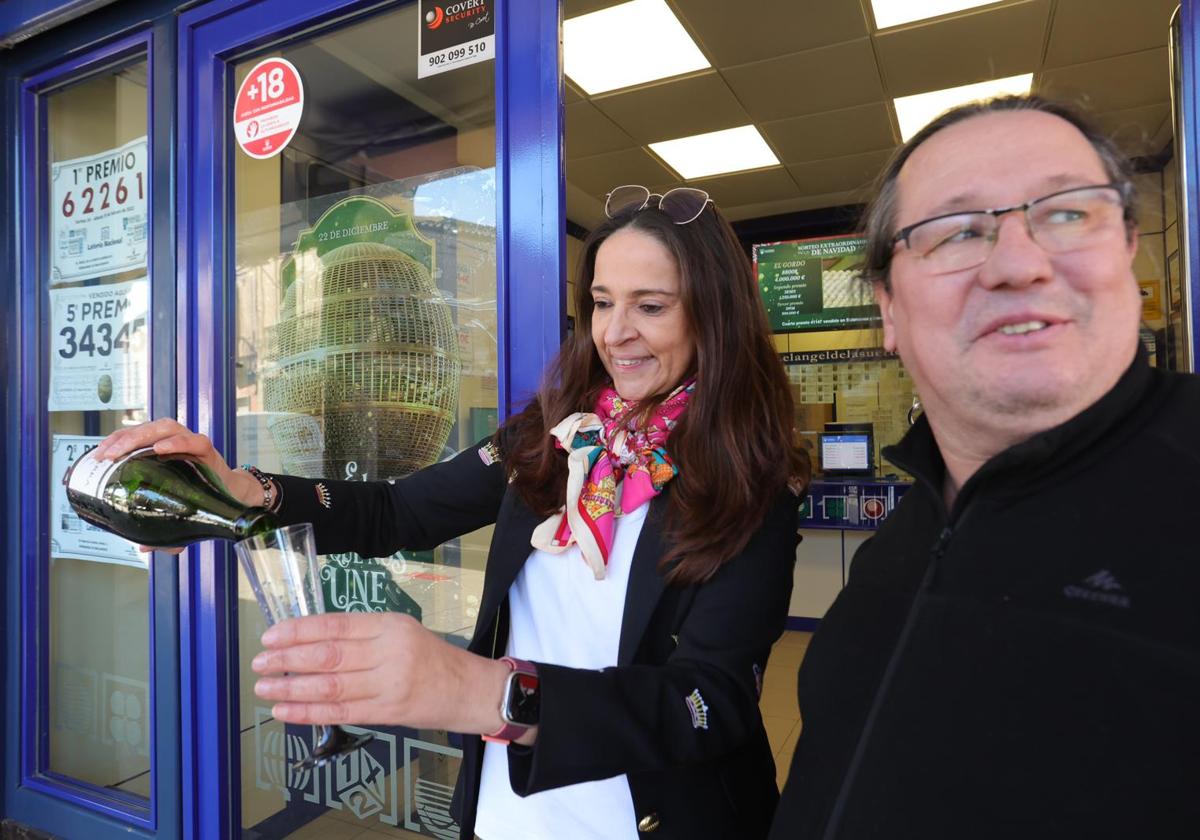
(681, 205)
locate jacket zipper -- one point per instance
(936, 552)
(939, 546)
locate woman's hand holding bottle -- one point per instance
(168, 437)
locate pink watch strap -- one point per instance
(510, 732)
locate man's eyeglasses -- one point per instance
(1064, 221)
(682, 204)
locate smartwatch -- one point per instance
(520, 703)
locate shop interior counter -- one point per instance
(836, 518)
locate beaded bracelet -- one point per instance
(267, 486)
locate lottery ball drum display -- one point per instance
(366, 345)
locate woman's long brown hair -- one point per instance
(734, 445)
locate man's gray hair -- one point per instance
(879, 219)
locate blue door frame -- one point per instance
(1189, 161)
(196, 772)
(32, 793)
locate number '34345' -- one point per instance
(100, 339)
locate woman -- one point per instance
(640, 567)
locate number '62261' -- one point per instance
(107, 195)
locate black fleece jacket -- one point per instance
(1027, 664)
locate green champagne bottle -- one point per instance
(160, 500)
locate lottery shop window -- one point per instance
(94, 272)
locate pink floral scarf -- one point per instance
(613, 467)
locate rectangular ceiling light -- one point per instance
(913, 112)
(625, 45)
(716, 153)
(895, 12)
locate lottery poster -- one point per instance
(815, 284)
(71, 536)
(98, 211)
(98, 352)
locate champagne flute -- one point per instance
(281, 566)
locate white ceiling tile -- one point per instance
(822, 79)
(1086, 30)
(852, 172)
(1112, 84)
(774, 184)
(989, 43)
(675, 108)
(887, 14)
(575, 8)
(598, 174)
(736, 33)
(589, 132)
(865, 128)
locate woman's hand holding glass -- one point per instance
(377, 668)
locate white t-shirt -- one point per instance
(578, 624)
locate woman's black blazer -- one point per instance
(679, 712)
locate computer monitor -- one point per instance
(847, 449)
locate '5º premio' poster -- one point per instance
(98, 347)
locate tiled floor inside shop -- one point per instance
(780, 713)
(780, 710)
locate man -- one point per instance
(1017, 651)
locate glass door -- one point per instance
(365, 298)
(354, 300)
